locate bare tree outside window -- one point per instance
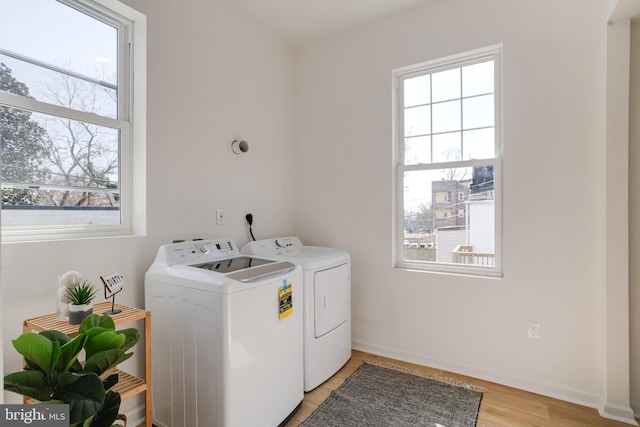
(81, 154)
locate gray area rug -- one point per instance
(378, 396)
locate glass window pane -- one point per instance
(446, 116)
(477, 112)
(417, 91)
(417, 193)
(477, 79)
(417, 121)
(419, 236)
(449, 216)
(57, 34)
(57, 88)
(75, 67)
(446, 85)
(80, 154)
(417, 150)
(447, 147)
(478, 144)
(52, 162)
(27, 215)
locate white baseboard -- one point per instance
(636, 409)
(622, 413)
(555, 391)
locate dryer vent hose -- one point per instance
(249, 218)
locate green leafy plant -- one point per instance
(81, 294)
(53, 373)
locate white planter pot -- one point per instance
(77, 313)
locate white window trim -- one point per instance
(494, 52)
(132, 127)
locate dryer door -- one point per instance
(332, 298)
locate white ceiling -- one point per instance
(301, 21)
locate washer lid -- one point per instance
(262, 272)
(232, 264)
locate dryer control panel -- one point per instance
(199, 251)
(278, 246)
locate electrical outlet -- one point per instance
(219, 216)
(533, 330)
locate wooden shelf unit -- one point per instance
(128, 385)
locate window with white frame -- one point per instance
(66, 118)
(447, 141)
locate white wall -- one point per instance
(554, 127)
(213, 75)
(634, 215)
(616, 209)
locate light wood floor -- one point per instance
(501, 406)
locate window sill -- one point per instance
(36, 236)
(450, 269)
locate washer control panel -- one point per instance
(199, 251)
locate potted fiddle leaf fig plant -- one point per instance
(80, 301)
(54, 375)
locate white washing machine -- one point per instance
(327, 303)
(227, 344)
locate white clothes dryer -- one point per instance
(327, 302)
(227, 347)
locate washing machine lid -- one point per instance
(232, 264)
(247, 269)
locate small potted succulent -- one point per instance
(80, 301)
